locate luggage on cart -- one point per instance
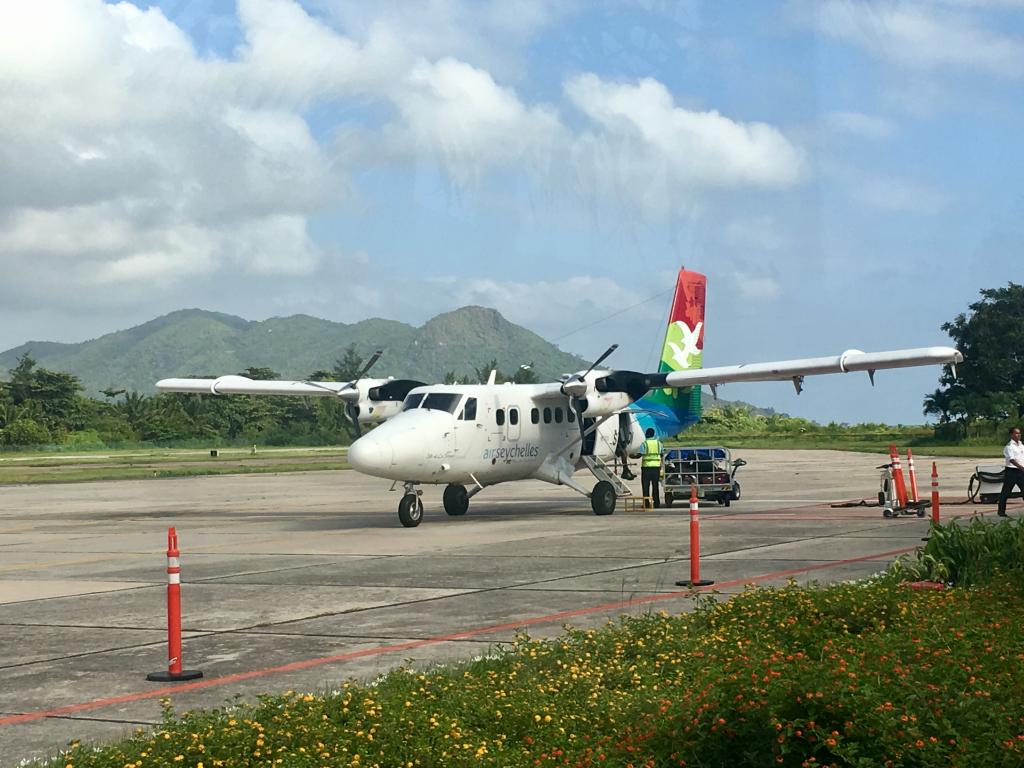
(711, 468)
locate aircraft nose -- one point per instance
(369, 454)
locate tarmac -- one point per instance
(300, 580)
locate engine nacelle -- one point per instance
(374, 412)
(380, 399)
(598, 404)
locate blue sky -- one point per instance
(846, 173)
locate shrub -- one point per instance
(25, 431)
(967, 555)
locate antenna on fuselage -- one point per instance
(493, 377)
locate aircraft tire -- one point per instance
(410, 510)
(603, 498)
(456, 500)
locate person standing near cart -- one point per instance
(650, 467)
(1013, 475)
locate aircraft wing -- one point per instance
(796, 370)
(242, 385)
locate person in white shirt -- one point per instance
(1013, 475)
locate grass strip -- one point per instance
(23, 475)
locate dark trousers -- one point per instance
(649, 477)
(1011, 477)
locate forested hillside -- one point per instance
(194, 342)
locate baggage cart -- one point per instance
(711, 468)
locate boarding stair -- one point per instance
(602, 471)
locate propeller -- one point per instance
(350, 392)
(575, 388)
(350, 389)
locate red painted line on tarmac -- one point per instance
(295, 666)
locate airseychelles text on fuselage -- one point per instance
(512, 452)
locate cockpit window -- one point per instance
(442, 401)
(469, 411)
(412, 401)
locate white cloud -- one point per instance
(860, 125)
(643, 142)
(459, 114)
(921, 36)
(128, 159)
(293, 59)
(489, 34)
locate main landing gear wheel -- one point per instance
(456, 500)
(603, 498)
(410, 510)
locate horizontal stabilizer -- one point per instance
(851, 360)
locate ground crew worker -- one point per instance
(650, 467)
(1013, 473)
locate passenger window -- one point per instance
(513, 416)
(558, 415)
(469, 412)
(547, 415)
(570, 415)
(499, 416)
(534, 416)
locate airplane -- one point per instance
(469, 437)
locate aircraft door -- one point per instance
(513, 423)
(466, 424)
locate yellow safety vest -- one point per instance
(652, 453)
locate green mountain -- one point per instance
(194, 342)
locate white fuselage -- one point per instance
(487, 434)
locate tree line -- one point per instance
(43, 407)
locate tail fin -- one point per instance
(670, 411)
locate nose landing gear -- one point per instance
(410, 508)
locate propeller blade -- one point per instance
(370, 363)
(352, 411)
(601, 359)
